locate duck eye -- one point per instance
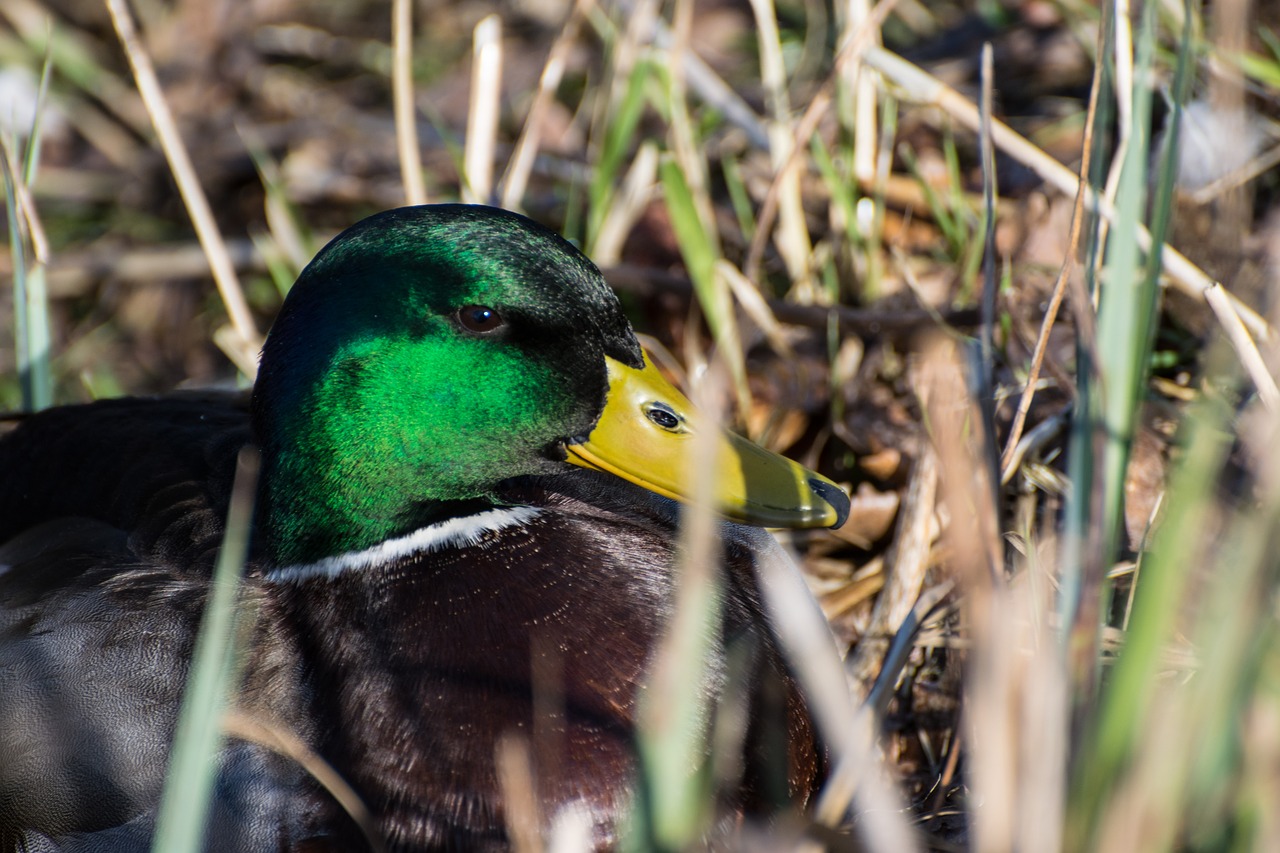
(662, 416)
(480, 319)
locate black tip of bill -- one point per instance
(833, 495)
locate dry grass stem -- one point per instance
(908, 562)
(247, 339)
(482, 120)
(850, 735)
(1247, 351)
(865, 99)
(850, 51)
(792, 237)
(755, 306)
(26, 205)
(1003, 717)
(1122, 58)
(868, 581)
(1237, 178)
(406, 113)
(674, 716)
(281, 740)
(1037, 437)
(924, 88)
(1008, 458)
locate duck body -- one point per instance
(411, 613)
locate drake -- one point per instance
(464, 529)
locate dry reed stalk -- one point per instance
(482, 118)
(242, 346)
(406, 114)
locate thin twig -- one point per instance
(1059, 285)
(248, 340)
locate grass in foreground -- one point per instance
(1073, 677)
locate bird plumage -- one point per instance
(428, 574)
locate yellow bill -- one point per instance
(644, 437)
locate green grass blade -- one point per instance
(695, 244)
(619, 135)
(1127, 701)
(31, 161)
(1127, 317)
(674, 794)
(739, 198)
(1126, 313)
(700, 256)
(30, 299)
(188, 788)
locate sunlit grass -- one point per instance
(1083, 732)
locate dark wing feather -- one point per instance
(157, 469)
(110, 515)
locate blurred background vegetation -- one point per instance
(1071, 512)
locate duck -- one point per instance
(464, 529)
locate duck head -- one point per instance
(429, 353)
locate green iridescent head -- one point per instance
(424, 355)
(429, 353)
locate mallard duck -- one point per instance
(466, 497)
